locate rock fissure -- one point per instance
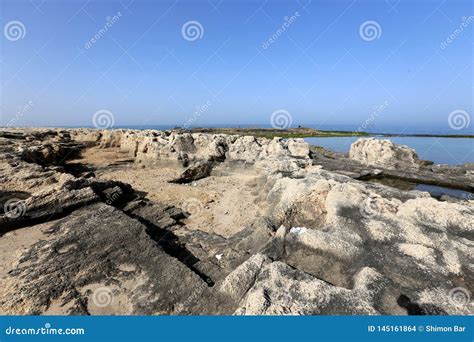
(196, 230)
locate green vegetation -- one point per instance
(319, 134)
(270, 133)
(304, 132)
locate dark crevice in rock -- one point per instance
(267, 298)
(411, 307)
(302, 271)
(30, 219)
(416, 309)
(170, 243)
(410, 183)
(78, 170)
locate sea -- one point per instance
(451, 151)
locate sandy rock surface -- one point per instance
(94, 222)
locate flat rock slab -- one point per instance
(96, 261)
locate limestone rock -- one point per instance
(345, 245)
(384, 153)
(282, 290)
(239, 281)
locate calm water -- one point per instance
(437, 191)
(452, 151)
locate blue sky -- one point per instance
(318, 68)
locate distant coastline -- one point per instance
(306, 132)
(269, 132)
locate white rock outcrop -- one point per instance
(384, 153)
(152, 145)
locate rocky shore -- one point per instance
(151, 222)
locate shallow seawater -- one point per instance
(433, 190)
(438, 191)
(451, 151)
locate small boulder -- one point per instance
(194, 173)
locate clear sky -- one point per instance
(321, 66)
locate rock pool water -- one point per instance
(451, 151)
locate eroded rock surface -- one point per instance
(77, 239)
(379, 152)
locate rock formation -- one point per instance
(384, 153)
(312, 236)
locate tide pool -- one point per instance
(452, 151)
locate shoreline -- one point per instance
(218, 218)
(304, 132)
(300, 132)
